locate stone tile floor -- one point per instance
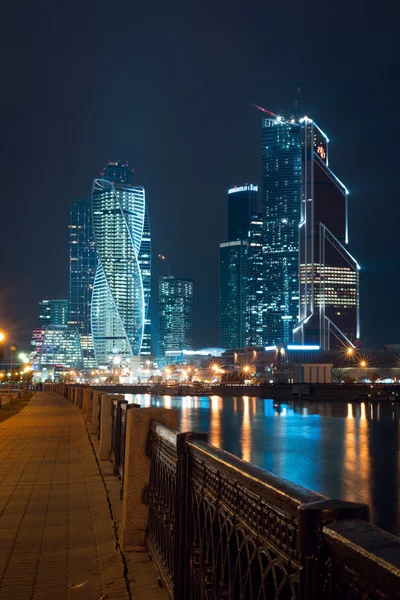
(57, 537)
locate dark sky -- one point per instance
(167, 86)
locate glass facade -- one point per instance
(255, 330)
(281, 203)
(175, 301)
(233, 288)
(83, 264)
(61, 347)
(242, 205)
(53, 312)
(119, 173)
(120, 299)
(311, 279)
(36, 346)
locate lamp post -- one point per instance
(12, 350)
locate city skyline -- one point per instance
(185, 125)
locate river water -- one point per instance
(348, 451)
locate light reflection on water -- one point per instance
(349, 451)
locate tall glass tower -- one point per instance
(175, 300)
(119, 173)
(281, 201)
(241, 271)
(232, 293)
(121, 290)
(83, 265)
(311, 280)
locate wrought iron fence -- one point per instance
(221, 528)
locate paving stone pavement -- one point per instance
(56, 534)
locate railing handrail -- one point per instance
(266, 481)
(164, 432)
(366, 547)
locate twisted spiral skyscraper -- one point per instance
(121, 289)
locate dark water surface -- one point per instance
(347, 451)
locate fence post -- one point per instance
(182, 515)
(95, 412)
(106, 424)
(135, 508)
(311, 518)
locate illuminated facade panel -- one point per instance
(242, 205)
(305, 211)
(61, 347)
(82, 265)
(120, 300)
(175, 300)
(233, 292)
(255, 330)
(53, 312)
(281, 201)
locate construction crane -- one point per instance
(263, 110)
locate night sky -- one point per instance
(167, 86)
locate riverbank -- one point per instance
(318, 392)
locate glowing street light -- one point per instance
(2, 336)
(350, 351)
(246, 368)
(363, 364)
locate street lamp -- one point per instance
(350, 351)
(12, 350)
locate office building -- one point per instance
(254, 322)
(120, 297)
(311, 279)
(233, 289)
(119, 173)
(60, 347)
(241, 271)
(53, 312)
(242, 206)
(83, 265)
(175, 301)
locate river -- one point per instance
(348, 451)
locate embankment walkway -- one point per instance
(57, 537)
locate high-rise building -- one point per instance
(53, 312)
(255, 330)
(311, 279)
(44, 313)
(242, 206)
(119, 173)
(83, 264)
(60, 346)
(121, 290)
(175, 300)
(241, 271)
(233, 289)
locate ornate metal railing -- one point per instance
(221, 528)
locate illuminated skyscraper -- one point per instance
(121, 288)
(82, 265)
(241, 271)
(255, 276)
(53, 312)
(119, 173)
(232, 293)
(242, 206)
(311, 279)
(175, 301)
